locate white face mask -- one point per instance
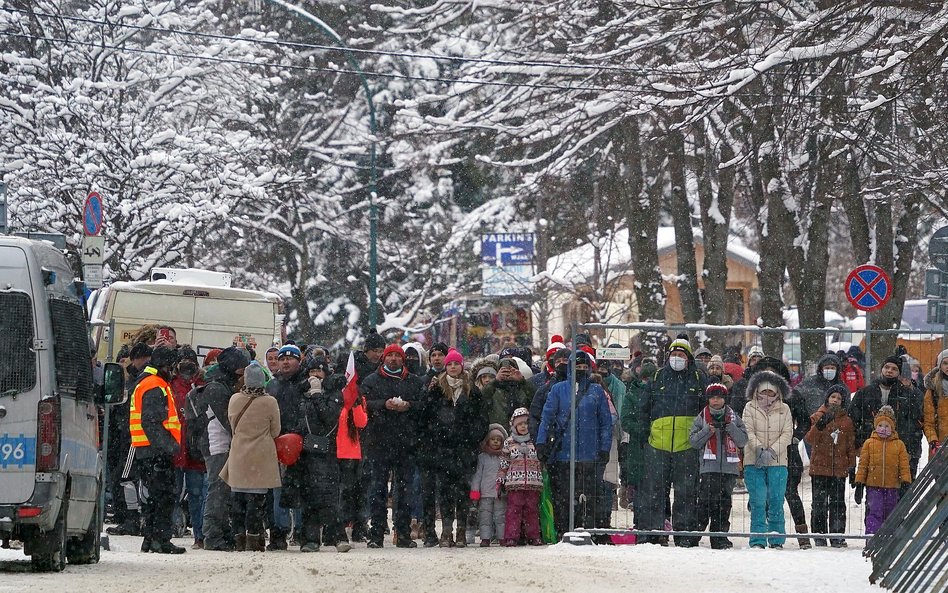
(677, 363)
(829, 374)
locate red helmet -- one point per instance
(289, 446)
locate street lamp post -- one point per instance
(373, 212)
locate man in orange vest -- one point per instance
(156, 437)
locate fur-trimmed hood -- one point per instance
(783, 388)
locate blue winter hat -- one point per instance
(290, 350)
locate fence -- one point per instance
(910, 552)
(621, 519)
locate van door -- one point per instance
(20, 386)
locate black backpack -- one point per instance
(196, 421)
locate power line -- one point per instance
(376, 52)
(318, 68)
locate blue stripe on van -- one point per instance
(18, 451)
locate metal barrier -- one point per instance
(854, 529)
(910, 552)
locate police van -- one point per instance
(201, 305)
(51, 467)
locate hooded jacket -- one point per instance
(771, 429)
(832, 456)
(883, 463)
(812, 390)
(422, 355)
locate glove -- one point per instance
(904, 488)
(543, 452)
(852, 477)
(624, 452)
(765, 457)
(933, 448)
(822, 422)
(718, 422)
(860, 488)
(603, 457)
(475, 495)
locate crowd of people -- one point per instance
(300, 449)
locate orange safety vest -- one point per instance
(172, 424)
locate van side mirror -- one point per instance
(113, 384)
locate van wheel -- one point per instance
(85, 549)
(51, 556)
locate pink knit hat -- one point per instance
(453, 356)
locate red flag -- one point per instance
(351, 391)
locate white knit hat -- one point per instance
(941, 356)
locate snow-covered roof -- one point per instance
(576, 265)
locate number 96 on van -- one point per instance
(18, 451)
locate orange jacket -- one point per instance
(936, 424)
(171, 424)
(883, 463)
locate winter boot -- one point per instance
(255, 542)
(166, 547)
(415, 529)
(446, 540)
(460, 540)
(277, 541)
(804, 543)
(240, 542)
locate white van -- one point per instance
(203, 309)
(50, 463)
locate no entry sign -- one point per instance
(868, 288)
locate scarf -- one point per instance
(711, 447)
(521, 438)
(399, 374)
(457, 387)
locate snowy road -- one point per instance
(561, 568)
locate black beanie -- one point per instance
(896, 360)
(839, 388)
(439, 347)
(374, 341)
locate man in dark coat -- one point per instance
(905, 400)
(288, 387)
(435, 361)
(213, 401)
(393, 397)
(125, 492)
(560, 364)
(368, 359)
(812, 390)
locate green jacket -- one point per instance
(629, 419)
(500, 400)
(669, 407)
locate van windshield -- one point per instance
(18, 363)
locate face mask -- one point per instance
(829, 374)
(888, 381)
(677, 363)
(187, 370)
(582, 374)
(413, 366)
(561, 371)
(884, 431)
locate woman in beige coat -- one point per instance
(252, 467)
(769, 432)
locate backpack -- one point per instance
(196, 421)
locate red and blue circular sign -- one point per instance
(92, 215)
(868, 288)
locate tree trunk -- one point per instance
(642, 217)
(715, 224)
(687, 277)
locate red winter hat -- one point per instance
(211, 356)
(394, 348)
(556, 343)
(453, 356)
